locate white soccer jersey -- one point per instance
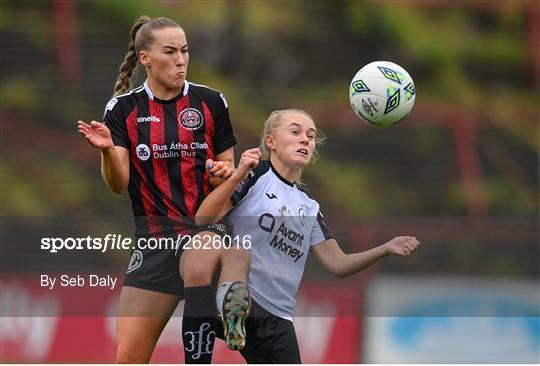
(283, 223)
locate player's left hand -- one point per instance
(219, 171)
(402, 245)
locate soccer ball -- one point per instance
(382, 93)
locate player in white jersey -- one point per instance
(284, 224)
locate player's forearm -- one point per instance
(112, 170)
(353, 263)
(215, 205)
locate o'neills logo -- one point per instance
(148, 119)
(190, 119)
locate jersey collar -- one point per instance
(185, 90)
(279, 175)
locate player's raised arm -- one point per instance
(217, 203)
(114, 159)
(342, 265)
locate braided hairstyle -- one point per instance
(142, 37)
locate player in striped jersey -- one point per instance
(285, 224)
(156, 143)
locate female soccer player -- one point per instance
(156, 142)
(284, 224)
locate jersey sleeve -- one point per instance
(116, 123)
(223, 138)
(244, 187)
(320, 232)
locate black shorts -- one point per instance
(159, 269)
(270, 339)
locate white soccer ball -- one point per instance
(382, 93)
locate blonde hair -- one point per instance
(142, 37)
(273, 122)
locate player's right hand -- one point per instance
(248, 160)
(96, 133)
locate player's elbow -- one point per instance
(118, 182)
(338, 266)
(200, 220)
(336, 271)
(340, 274)
(118, 190)
(118, 187)
(206, 220)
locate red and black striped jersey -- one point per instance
(169, 142)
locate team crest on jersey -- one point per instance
(190, 119)
(302, 214)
